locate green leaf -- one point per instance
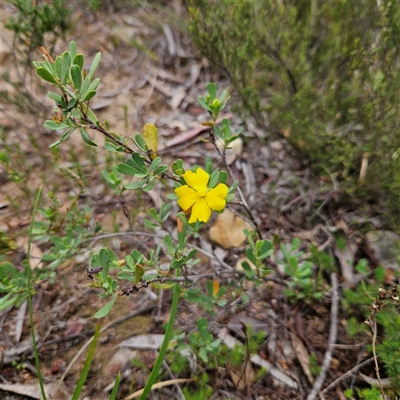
(46, 75)
(212, 90)
(86, 138)
(85, 85)
(223, 96)
(94, 66)
(105, 309)
(203, 354)
(223, 177)
(58, 66)
(177, 167)
(137, 160)
(128, 170)
(139, 272)
(135, 185)
(234, 186)
(139, 142)
(104, 261)
(89, 95)
(79, 60)
(54, 126)
(94, 85)
(113, 148)
(168, 242)
(66, 64)
(7, 301)
(203, 104)
(149, 186)
(213, 179)
(133, 166)
(54, 96)
(160, 170)
(263, 247)
(250, 255)
(229, 197)
(72, 49)
(114, 392)
(76, 75)
(155, 163)
(182, 226)
(92, 116)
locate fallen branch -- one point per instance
(347, 374)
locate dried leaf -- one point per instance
(150, 136)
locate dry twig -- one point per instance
(331, 341)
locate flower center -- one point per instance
(201, 190)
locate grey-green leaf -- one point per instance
(86, 138)
(66, 63)
(46, 75)
(105, 310)
(89, 95)
(54, 96)
(72, 49)
(79, 60)
(54, 126)
(76, 75)
(94, 66)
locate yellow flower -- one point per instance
(197, 196)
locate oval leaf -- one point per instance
(76, 75)
(89, 95)
(94, 66)
(46, 75)
(86, 138)
(139, 272)
(79, 60)
(105, 310)
(150, 136)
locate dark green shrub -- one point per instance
(324, 73)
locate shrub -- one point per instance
(323, 73)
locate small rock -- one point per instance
(228, 230)
(386, 247)
(234, 151)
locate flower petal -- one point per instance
(198, 178)
(200, 212)
(216, 197)
(187, 196)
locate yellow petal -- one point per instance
(216, 197)
(187, 196)
(200, 211)
(198, 178)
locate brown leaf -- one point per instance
(302, 355)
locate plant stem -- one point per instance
(241, 195)
(164, 346)
(375, 332)
(29, 277)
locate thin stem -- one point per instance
(29, 277)
(106, 133)
(153, 235)
(164, 346)
(127, 149)
(346, 375)
(331, 341)
(375, 333)
(241, 195)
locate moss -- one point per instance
(324, 72)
